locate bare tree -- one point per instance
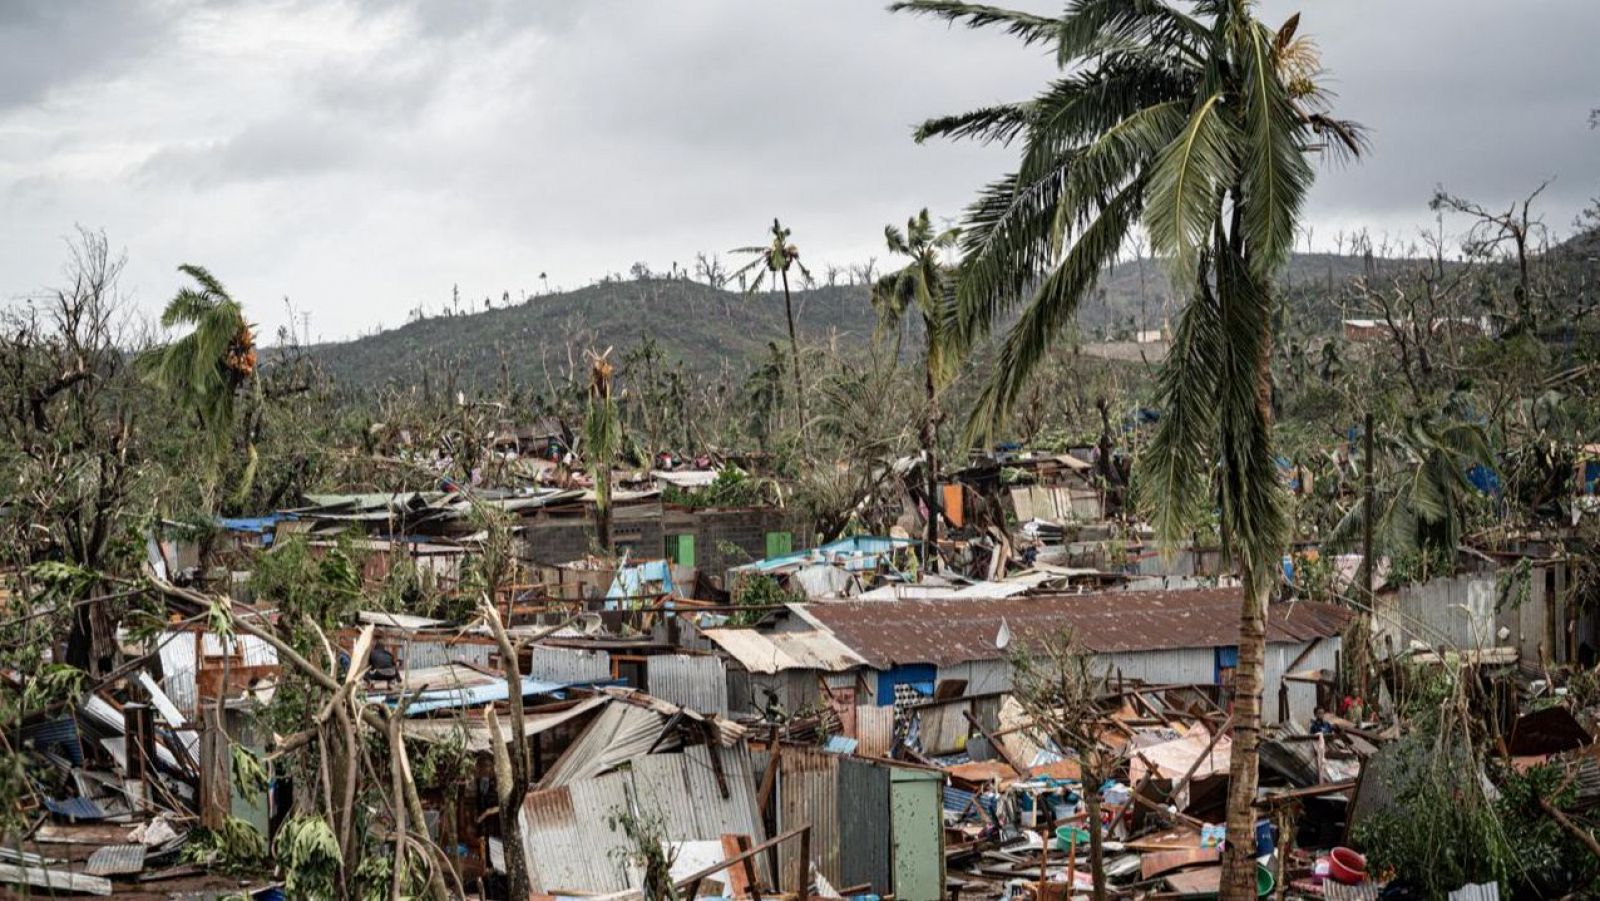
(69, 415)
(710, 270)
(1059, 687)
(1514, 231)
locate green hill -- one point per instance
(706, 327)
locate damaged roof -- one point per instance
(772, 652)
(947, 631)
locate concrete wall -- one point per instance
(643, 529)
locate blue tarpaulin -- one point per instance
(640, 581)
(1484, 479)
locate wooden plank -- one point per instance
(1203, 881)
(741, 857)
(741, 880)
(1153, 865)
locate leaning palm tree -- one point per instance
(776, 259)
(923, 287)
(1196, 122)
(205, 370)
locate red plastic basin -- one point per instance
(1347, 866)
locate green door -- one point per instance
(680, 549)
(779, 543)
(914, 802)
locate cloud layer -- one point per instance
(360, 159)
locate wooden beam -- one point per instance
(999, 748)
(742, 856)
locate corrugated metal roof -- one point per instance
(949, 631)
(772, 652)
(620, 733)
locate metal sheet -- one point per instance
(424, 653)
(683, 789)
(475, 695)
(177, 651)
(569, 664)
(916, 802)
(567, 842)
(864, 827)
(772, 652)
(957, 630)
(874, 731)
(808, 785)
(620, 733)
(115, 860)
(698, 683)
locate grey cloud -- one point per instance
(278, 149)
(45, 46)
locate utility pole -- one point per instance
(1366, 545)
(1366, 510)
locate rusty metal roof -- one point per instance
(947, 631)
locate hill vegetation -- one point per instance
(707, 328)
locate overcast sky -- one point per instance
(360, 158)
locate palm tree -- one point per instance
(923, 286)
(776, 259)
(602, 439)
(1196, 123)
(204, 370)
(1423, 491)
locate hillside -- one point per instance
(706, 327)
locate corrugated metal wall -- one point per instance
(178, 662)
(422, 653)
(570, 843)
(865, 835)
(1302, 697)
(683, 789)
(808, 792)
(1460, 613)
(569, 665)
(1186, 665)
(982, 676)
(699, 683)
(874, 730)
(944, 726)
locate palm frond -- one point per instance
(1175, 473)
(1102, 167)
(1186, 184)
(1052, 307)
(989, 125)
(1250, 493)
(1030, 28)
(1093, 26)
(1276, 175)
(1005, 248)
